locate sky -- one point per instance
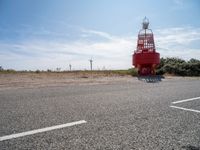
(50, 34)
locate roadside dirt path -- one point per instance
(31, 80)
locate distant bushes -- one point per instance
(133, 72)
(7, 70)
(180, 67)
(173, 66)
(37, 71)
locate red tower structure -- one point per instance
(145, 58)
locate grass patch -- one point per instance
(131, 72)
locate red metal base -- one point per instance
(146, 62)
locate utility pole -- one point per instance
(70, 67)
(91, 61)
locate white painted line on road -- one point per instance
(186, 100)
(186, 109)
(12, 136)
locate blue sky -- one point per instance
(46, 34)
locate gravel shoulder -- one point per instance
(35, 80)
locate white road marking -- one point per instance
(12, 136)
(186, 109)
(186, 100)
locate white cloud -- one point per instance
(113, 52)
(178, 35)
(178, 2)
(98, 33)
(180, 5)
(178, 42)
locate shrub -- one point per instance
(177, 66)
(37, 71)
(133, 72)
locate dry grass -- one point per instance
(41, 79)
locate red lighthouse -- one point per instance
(145, 58)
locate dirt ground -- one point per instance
(30, 80)
(48, 79)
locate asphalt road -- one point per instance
(122, 115)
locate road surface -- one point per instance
(129, 114)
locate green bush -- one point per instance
(133, 72)
(177, 66)
(37, 71)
